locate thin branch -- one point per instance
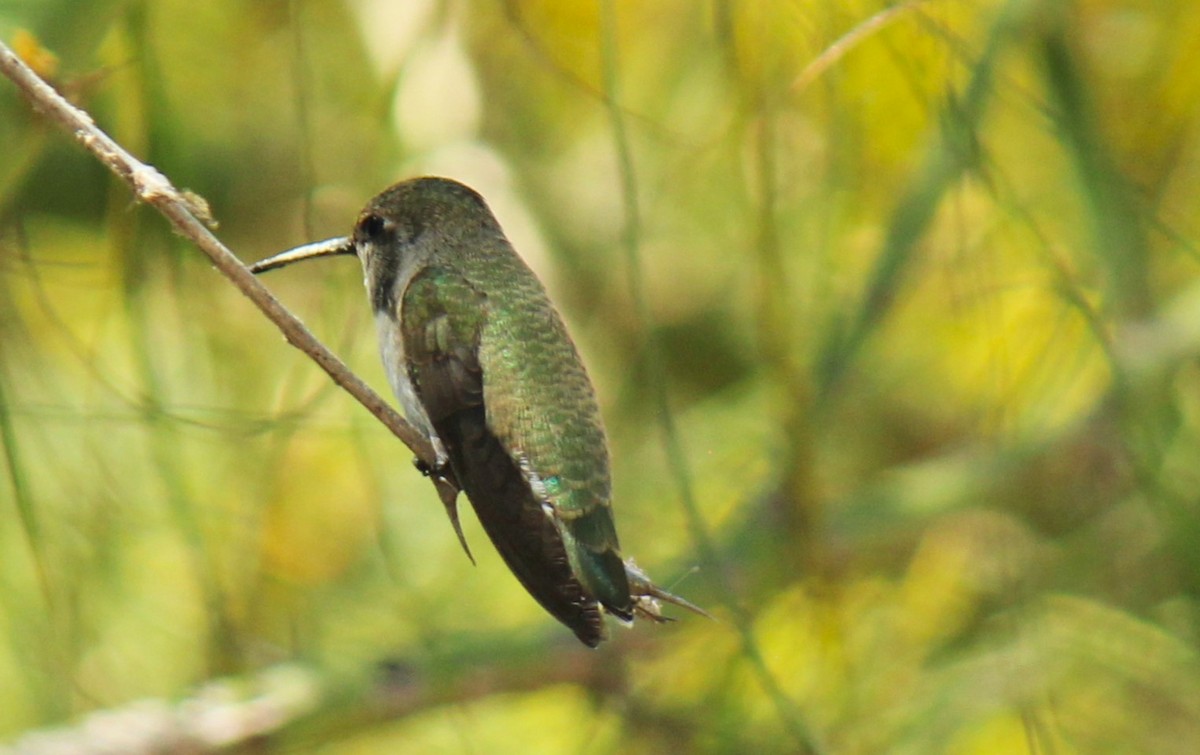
(289, 707)
(185, 211)
(847, 42)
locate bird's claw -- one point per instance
(436, 469)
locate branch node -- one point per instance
(149, 184)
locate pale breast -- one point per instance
(391, 350)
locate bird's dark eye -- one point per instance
(372, 227)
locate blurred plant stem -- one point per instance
(129, 242)
(785, 708)
(1144, 400)
(952, 153)
(796, 506)
(48, 680)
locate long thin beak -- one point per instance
(326, 248)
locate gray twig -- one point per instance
(185, 211)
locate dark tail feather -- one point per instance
(526, 537)
(646, 596)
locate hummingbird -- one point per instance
(484, 367)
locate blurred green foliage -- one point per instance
(919, 283)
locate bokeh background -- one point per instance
(893, 309)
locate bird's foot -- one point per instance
(438, 470)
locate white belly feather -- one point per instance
(391, 349)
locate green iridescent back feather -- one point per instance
(541, 404)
